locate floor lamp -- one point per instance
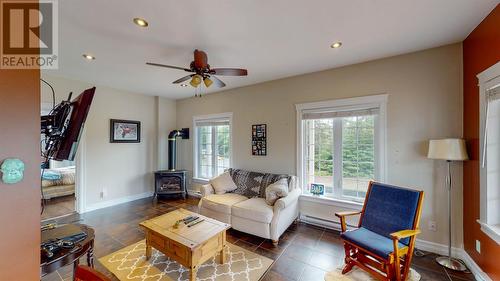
(449, 150)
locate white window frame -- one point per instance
(208, 117)
(357, 103)
(487, 80)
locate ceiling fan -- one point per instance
(202, 72)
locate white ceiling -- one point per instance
(272, 39)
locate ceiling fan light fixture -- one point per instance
(141, 22)
(196, 80)
(208, 82)
(88, 57)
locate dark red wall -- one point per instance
(20, 202)
(481, 49)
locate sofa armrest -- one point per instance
(206, 190)
(292, 197)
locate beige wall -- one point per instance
(425, 102)
(166, 122)
(124, 170)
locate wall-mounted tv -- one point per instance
(63, 126)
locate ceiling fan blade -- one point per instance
(217, 82)
(185, 78)
(169, 66)
(229, 71)
(200, 59)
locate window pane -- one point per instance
(205, 159)
(358, 154)
(318, 153)
(205, 171)
(213, 149)
(222, 148)
(204, 150)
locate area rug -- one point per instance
(130, 263)
(357, 274)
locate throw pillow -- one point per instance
(223, 183)
(276, 190)
(268, 179)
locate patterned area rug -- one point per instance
(357, 274)
(130, 263)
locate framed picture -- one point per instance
(259, 139)
(124, 131)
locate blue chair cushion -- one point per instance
(389, 209)
(370, 241)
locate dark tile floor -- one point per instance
(305, 252)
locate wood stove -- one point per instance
(172, 181)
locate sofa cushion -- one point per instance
(255, 209)
(253, 184)
(371, 241)
(221, 203)
(223, 183)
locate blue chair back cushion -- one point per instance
(389, 209)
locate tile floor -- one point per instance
(59, 206)
(305, 252)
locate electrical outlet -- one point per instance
(478, 246)
(432, 226)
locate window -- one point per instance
(489, 181)
(341, 145)
(212, 145)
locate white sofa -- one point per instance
(252, 215)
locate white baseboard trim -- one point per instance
(428, 246)
(474, 268)
(117, 201)
(437, 248)
(459, 253)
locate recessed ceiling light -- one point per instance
(184, 85)
(88, 57)
(141, 22)
(336, 45)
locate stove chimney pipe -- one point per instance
(172, 146)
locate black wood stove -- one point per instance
(172, 182)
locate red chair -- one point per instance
(85, 273)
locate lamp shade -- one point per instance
(447, 149)
(208, 82)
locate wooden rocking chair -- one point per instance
(384, 241)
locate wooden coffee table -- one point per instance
(189, 246)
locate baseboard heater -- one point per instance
(330, 224)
